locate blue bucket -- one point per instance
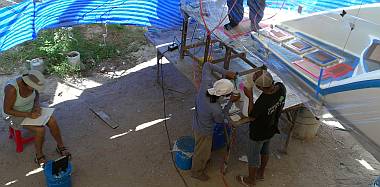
(218, 138)
(62, 180)
(377, 182)
(185, 144)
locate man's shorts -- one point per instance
(255, 150)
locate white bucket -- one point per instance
(37, 64)
(73, 58)
(306, 126)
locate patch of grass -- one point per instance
(53, 45)
(9, 62)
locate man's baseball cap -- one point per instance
(264, 80)
(221, 87)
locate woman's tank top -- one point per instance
(22, 104)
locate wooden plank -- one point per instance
(105, 117)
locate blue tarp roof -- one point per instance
(22, 22)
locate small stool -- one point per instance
(19, 140)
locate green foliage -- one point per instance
(63, 69)
(53, 45)
(8, 62)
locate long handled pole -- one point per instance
(229, 141)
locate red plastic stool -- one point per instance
(20, 141)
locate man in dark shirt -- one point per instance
(265, 113)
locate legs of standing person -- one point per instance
(39, 134)
(264, 160)
(255, 161)
(256, 13)
(236, 13)
(202, 153)
(56, 133)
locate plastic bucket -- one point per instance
(218, 138)
(377, 182)
(62, 180)
(37, 64)
(185, 145)
(73, 58)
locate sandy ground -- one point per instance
(132, 155)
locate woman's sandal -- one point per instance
(40, 160)
(63, 151)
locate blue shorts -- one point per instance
(255, 150)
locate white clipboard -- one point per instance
(40, 121)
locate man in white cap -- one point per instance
(265, 113)
(208, 111)
(21, 100)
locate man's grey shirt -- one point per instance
(206, 114)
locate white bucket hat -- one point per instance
(221, 87)
(264, 80)
(34, 79)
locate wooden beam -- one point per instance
(105, 117)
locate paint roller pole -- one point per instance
(229, 141)
(227, 138)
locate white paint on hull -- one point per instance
(360, 108)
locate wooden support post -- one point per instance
(227, 57)
(207, 48)
(185, 25)
(291, 117)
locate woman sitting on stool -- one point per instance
(21, 100)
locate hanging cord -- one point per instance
(166, 126)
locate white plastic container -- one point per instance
(244, 108)
(245, 81)
(306, 125)
(37, 64)
(73, 58)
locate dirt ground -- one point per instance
(137, 154)
(132, 155)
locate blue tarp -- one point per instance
(22, 22)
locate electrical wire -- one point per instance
(166, 126)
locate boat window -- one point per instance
(372, 57)
(374, 53)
